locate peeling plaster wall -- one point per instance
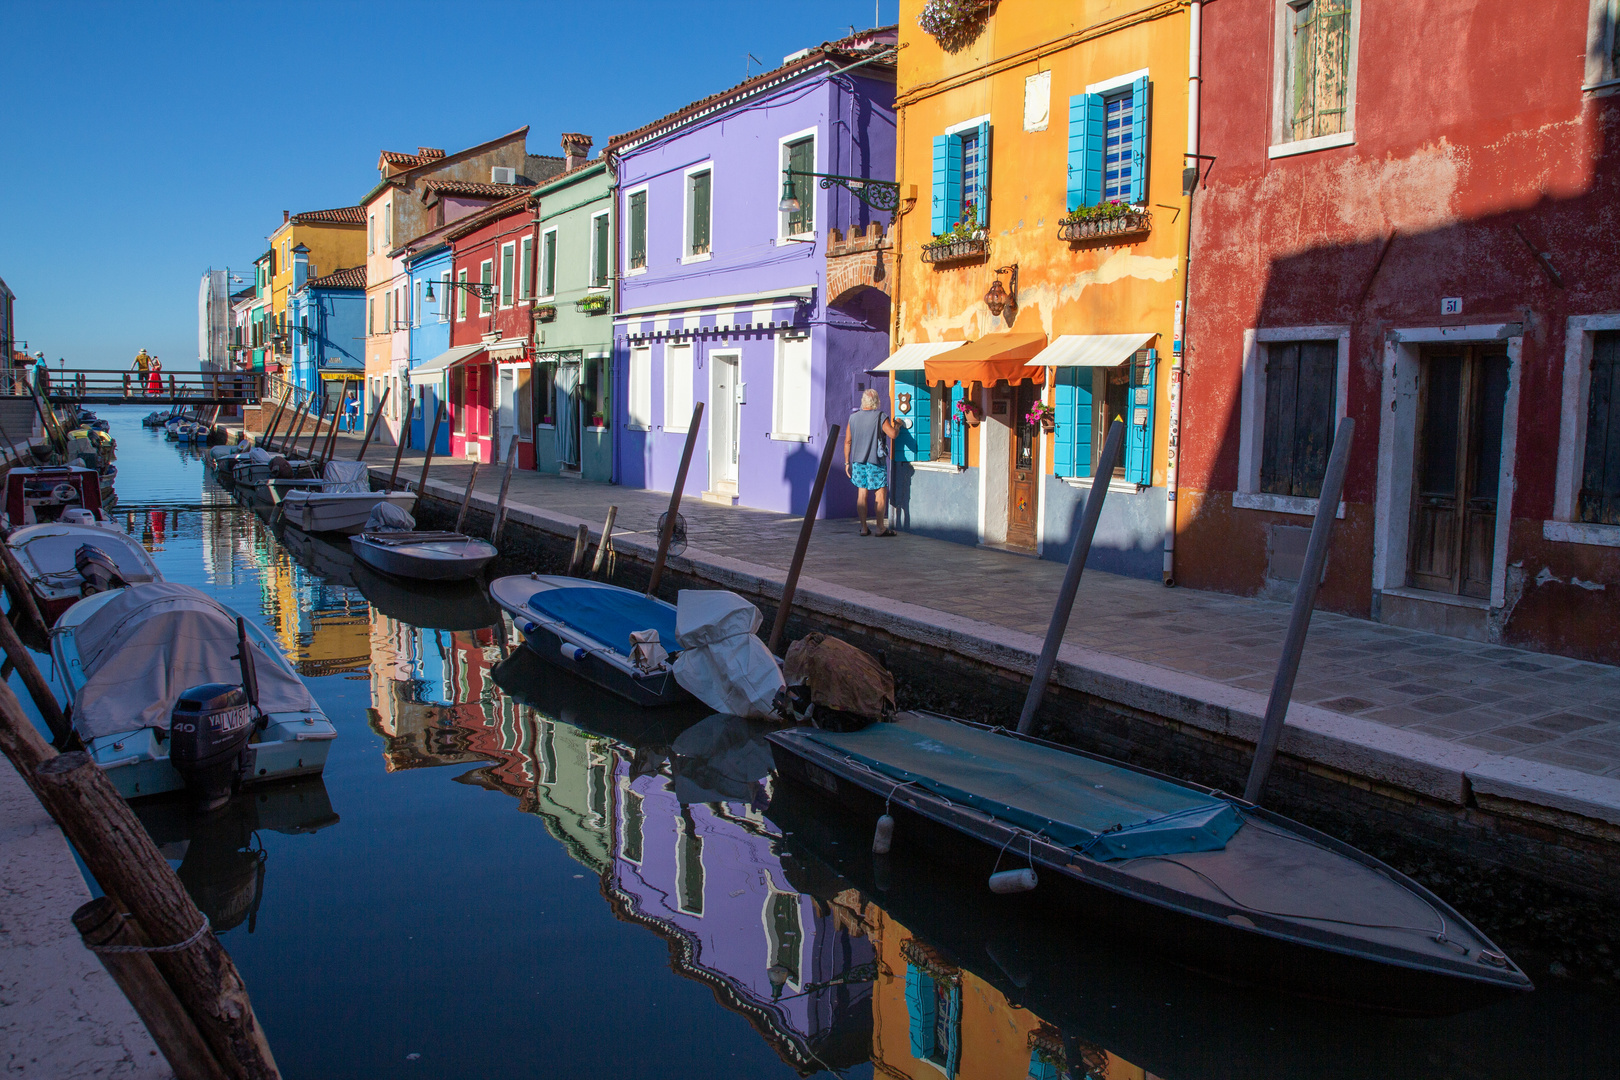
(1464, 137)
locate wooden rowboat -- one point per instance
(424, 556)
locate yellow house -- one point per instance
(335, 240)
(1041, 241)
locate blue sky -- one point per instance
(141, 143)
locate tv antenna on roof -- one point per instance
(752, 59)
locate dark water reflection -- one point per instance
(504, 874)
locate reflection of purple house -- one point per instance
(722, 277)
(707, 877)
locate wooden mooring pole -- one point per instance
(668, 532)
(604, 547)
(292, 437)
(337, 414)
(1071, 575)
(19, 586)
(38, 689)
(315, 433)
(427, 454)
(466, 498)
(1299, 620)
(275, 422)
(582, 544)
(500, 503)
(791, 585)
(376, 414)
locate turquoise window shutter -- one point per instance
(912, 441)
(1041, 1069)
(958, 430)
(1139, 418)
(920, 1010)
(1072, 441)
(942, 170)
(981, 196)
(953, 180)
(1139, 140)
(1087, 138)
(953, 1032)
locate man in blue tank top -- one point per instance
(866, 460)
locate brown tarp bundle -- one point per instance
(840, 677)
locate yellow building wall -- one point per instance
(1094, 287)
(331, 247)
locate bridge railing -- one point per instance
(203, 387)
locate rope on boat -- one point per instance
(176, 947)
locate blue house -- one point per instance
(428, 262)
(328, 316)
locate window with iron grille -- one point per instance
(638, 230)
(801, 162)
(1300, 409)
(699, 187)
(972, 163)
(1598, 502)
(1317, 91)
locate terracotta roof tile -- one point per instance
(346, 215)
(469, 187)
(353, 277)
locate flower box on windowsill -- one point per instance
(593, 305)
(950, 249)
(1096, 227)
(545, 312)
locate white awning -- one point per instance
(429, 371)
(913, 357)
(507, 348)
(1089, 350)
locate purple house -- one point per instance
(722, 267)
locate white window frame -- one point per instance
(607, 275)
(461, 296)
(445, 293)
(809, 191)
(645, 189)
(686, 212)
(486, 278)
(779, 430)
(1579, 334)
(371, 234)
(1603, 22)
(676, 420)
(1252, 438)
(631, 387)
(1281, 145)
(546, 293)
(526, 269)
(388, 225)
(501, 296)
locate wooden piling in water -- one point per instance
(315, 433)
(582, 544)
(500, 503)
(275, 422)
(791, 585)
(38, 689)
(466, 497)
(667, 533)
(427, 453)
(1071, 576)
(604, 546)
(301, 415)
(19, 586)
(1299, 619)
(376, 414)
(337, 414)
(104, 927)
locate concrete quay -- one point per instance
(61, 1015)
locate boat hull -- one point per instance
(344, 512)
(1075, 891)
(438, 561)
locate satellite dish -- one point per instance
(677, 539)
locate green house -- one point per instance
(573, 321)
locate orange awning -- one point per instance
(990, 359)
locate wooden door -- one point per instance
(1461, 394)
(1023, 469)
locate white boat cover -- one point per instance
(260, 456)
(386, 517)
(49, 551)
(151, 642)
(346, 477)
(722, 663)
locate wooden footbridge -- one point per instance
(128, 387)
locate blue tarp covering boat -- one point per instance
(609, 615)
(1100, 809)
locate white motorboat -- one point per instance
(170, 689)
(64, 561)
(341, 502)
(424, 556)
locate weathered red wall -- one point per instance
(1470, 120)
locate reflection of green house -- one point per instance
(571, 790)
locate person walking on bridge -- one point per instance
(866, 460)
(142, 362)
(154, 382)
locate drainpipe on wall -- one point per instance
(611, 375)
(1195, 48)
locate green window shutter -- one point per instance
(638, 230)
(981, 193)
(1071, 450)
(506, 276)
(701, 187)
(1139, 140)
(920, 1008)
(913, 440)
(1087, 139)
(1598, 500)
(600, 278)
(1139, 418)
(958, 430)
(548, 264)
(801, 162)
(936, 218)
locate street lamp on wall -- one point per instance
(998, 298)
(878, 194)
(482, 290)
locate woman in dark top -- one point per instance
(866, 460)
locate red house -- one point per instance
(492, 332)
(1409, 218)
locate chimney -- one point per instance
(576, 148)
(284, 217)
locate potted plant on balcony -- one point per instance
(970, 412)
(1041, 413)
(1111, 218)
(953, 23)
(545, 312)
(593, 303)
(964, 240)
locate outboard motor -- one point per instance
(208, 740)
(97, 568)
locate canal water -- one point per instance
(504, 874)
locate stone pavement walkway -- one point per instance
(1545, 708)
(61, 1015)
